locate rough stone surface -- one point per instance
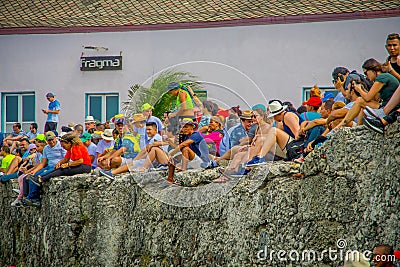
(350, 191)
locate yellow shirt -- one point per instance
(6, 161)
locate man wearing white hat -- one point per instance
(90, 126)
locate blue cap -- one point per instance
(173, 86)
(327, 95)
(260, 106)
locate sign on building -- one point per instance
(101, 63)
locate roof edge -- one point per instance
(215, 24)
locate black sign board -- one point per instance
(101, 63)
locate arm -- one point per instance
(38, 167)
(180, 147)
(195, 98)
(369, 96)
(337, 114)
(313, 123)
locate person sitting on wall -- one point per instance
(12, 172)
(213, 134)
(106, 143)
(7, 159)
(384, 83)
(240, 135)
(193, 151)
(287, 121)
(139, 129)
(145, 158)
(147, 111)
(76, 161)
(86, 139)
(125, 149)
(33, 132)
(90, 126)
(339, 75)
(16, 135)
(392, 65)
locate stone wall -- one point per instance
(350, 191)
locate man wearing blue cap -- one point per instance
(52, 113)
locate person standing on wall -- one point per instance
(52, 113)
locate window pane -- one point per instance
(95, 107)
(112, 106)
(28, 108)
(12, 108)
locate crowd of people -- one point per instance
(200, 134)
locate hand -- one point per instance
(57, 165)
(64, 165)
(309, 147)
(357, 86)
(45, 111)
(386, 66)
(148, 147)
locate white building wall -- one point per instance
(279, 59)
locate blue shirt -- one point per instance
(310, 115)
(53, 154)
(199, 145)
(55, 105)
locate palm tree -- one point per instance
(157, 94)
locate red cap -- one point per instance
(313, 101)
(224, 113)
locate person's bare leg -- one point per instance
(171, 172)
(393, 102)
(187, 155)
(356, 108)
(155, 153)
(229, 154)
(122, 169)
(239, 158)
(14, 165)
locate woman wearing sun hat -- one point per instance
(287, 121)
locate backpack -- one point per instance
(294, 149)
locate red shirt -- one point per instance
(79, 152)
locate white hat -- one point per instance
(275, 108)
(89, 119)
(107, 135)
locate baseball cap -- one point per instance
(50, 95)
(86, 136)
(260, 106)
(147, 106)
(41, 137)
(50, 136)
(313, 101)
(327, 95)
